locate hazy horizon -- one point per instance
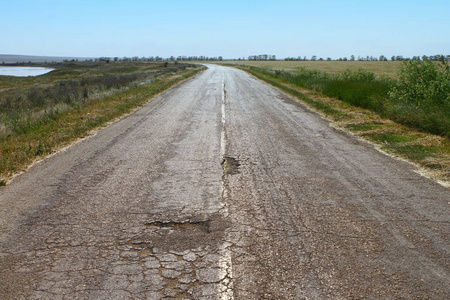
(284, 28)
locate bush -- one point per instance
(423, 84)
(421, 97)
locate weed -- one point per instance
(412, 152)
(42, 149)
(401, 145)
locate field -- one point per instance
(379, 68)
(39, 115)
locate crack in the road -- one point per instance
(204, 225)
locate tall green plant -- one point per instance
(421, 97)
(423, 84)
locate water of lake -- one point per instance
(23, 71)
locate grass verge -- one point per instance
(54, 130)
(430, 152)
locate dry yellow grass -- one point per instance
(389, 68)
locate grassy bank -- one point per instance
(432, 152)
(429, 113)
(39, 115)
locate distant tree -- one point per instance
(352, 58)
(314, 58)
(437, 57)
(262, 57)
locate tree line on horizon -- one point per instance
(260, 57)
(436, 57)
(270, 57)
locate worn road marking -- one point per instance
(225, 260)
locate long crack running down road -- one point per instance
(223, 188)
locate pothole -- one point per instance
(204, 225)
(230, 165)
(179, 233)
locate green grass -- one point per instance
(401, 145)
(413, 152)
(359, 88)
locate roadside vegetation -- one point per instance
(408, 116)
(379, 68)
(39, 115)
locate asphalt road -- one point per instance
(222, 188)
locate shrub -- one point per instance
(421, 97)
(423, 83)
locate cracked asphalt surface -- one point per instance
(223, 188)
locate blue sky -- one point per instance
(231, 29)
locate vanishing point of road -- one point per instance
(223, 188)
